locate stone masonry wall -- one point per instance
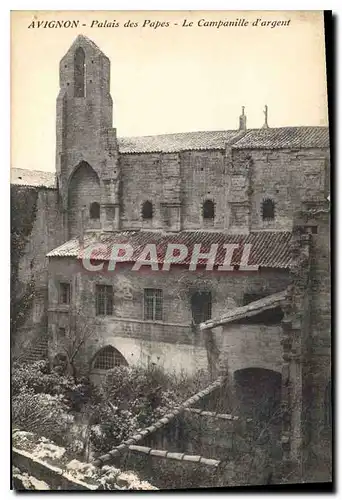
(203, 178)
(320, 363)
(141, 181)
(46, 234)
(288, 177)
(188, 178)
(173, 342)
(249, 346)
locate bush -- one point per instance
(88, 419)
(41, 379)
(45, 414)
(134, 398)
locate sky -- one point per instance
(174, 78)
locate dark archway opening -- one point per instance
(258, 394)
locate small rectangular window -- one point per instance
(153, 304)
(201, 307)
(61, 333)
(104, 300)
(64, 293)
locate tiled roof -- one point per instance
(215, 415)
(170, 143)
(247, 311)
(145, 450)
(268, 249)
(270, 138)
(34, 178)
(285, 137)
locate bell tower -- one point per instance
(86, 147)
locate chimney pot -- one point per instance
(265, 125)
(243, 120)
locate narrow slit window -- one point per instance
(64, 293)
(79, 73)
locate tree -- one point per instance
(76, 344)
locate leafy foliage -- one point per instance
(92, 420)
(40, 378)
(23, 214)
(46, 414)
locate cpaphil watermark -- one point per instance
(99, 257)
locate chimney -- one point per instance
(243, 120)
(265, 125)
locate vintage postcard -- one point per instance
(170, 258)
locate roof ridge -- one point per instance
(181, 133)
(88, 40)
(294, 127)
(251, 309)
(33, 170)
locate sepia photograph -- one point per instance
(170, 250)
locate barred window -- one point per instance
(109, 357)
(104, 300)
(147, 210)
(153, 304)
(64, 293)
(268, 209)
(208, 210)
(201, 306)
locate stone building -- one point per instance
(264, 190)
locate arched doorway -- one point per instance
(257, 393)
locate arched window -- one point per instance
(147, 210)
(208, 210)
(79, 73)
(267, 209)
(109, 357)
(94, 210)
